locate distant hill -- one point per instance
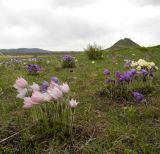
(125, 43)
(25, 51)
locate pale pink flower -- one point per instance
(21, 83)
(73, 103)
(46, 97)
(35, 87)
(21, 93)
(55, 93)
(53, 85)
(27, 103)
(37, 97)
(64, 88)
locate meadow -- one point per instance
(101, 125)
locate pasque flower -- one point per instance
(44, 86)
(27, 103)
(64, 88)
(37, 97)
(21, 93)
(55, 108)
(46, 97)
(144, 72)
(34, 68)
(138, 97)
(45, 93)
(55, 93)
(133, 71)
(126, 76)
(68, 61)
(21, 83)
(119, 77)
(68, 58)
(35, 87)
(106, 72)
(73, 103)
(54, 80)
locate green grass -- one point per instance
(122, 44)
(101, 125)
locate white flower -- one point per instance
(73, 103)
(55, 93)
(35, 87)
(46, 97)
(22, 93)
(27, 102)
(93, 62)
(64, 88)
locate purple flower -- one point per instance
(68, 58)
(34, 68)
(128, 76)
(119, 77)
(44, 86)
(133, 71)
(144, 72)
(106, 72)
(138, 97)
(54, 79)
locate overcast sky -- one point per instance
(72, 24)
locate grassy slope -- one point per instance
(124, 44)
(102, 125)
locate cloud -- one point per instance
(148, 30)
(47, 29)
(72, 24)
(70, 3)
(146, 2)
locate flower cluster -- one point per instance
(144, 69)
(121, 85)
(34, 68)
(44, 93)
(68, 58)
(125, 77)
(53, 105)
(68, 61)
(16, 61)
(142, 64)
